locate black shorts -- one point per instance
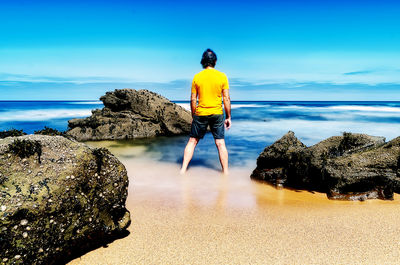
(200, 124)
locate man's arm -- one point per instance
(227, 106)
(193, 103)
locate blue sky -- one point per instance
(281, 50)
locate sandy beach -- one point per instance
(207, 218)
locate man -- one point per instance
(210, 86)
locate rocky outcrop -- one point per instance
(129, 114)
(349, 167)
(57, 197)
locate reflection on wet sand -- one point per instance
(205, 217)
(212, 197)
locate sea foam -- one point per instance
(43, 114)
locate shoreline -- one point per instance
(204, 218)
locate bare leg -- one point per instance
(223, 155)
(188, 154)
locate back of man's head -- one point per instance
(209, 58)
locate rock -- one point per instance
(64, 216)
(11, 132)
(49, 131)
(129, 114)
(348, 167)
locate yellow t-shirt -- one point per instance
(208, 84)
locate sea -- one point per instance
(255, 125)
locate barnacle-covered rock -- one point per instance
(57, 196)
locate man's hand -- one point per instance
(227, 106)
(193, 103)
(228, 123)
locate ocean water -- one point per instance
(254, 126)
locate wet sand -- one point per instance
(207, 218)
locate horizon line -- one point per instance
(173, 100)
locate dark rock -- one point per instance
(49, 131)
(58, 197)
(11, 132)
(350, 167)
(129, 114)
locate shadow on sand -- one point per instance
(91, 243)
